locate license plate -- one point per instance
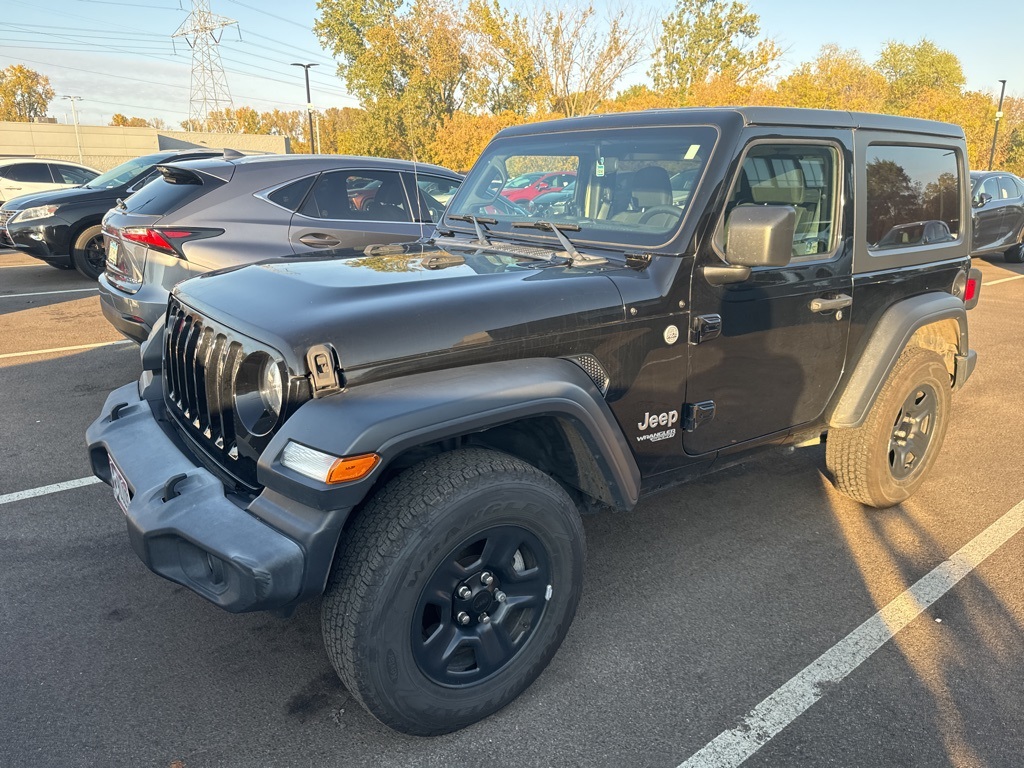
(121, 493)
(112, 252)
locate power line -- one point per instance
(272, 15)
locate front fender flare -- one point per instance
(390, 417)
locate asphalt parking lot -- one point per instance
(699, 606)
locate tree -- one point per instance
(837, 79)
(24, 93)
(579, 61)
(703, 38)
(462, 137)
(503, 52)
(910, 70)
(129, 122)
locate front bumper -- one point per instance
(235, 554)
(47, 239)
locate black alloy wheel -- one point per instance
(912, 432)
(87, 252)
(481, 606)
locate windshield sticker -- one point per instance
(692, 152)
(600, 167)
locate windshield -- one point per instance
(125, 172)
(624, 191)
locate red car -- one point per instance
(526, 187)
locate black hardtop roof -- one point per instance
(316, 163)
(730, 116)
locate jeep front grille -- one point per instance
(201, 359)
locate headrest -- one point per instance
(652, 186)
(785, 189)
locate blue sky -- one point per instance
(118, 56)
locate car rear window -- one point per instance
(160, 197)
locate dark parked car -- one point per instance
(224, 212)
(62, 227)
(413, 432)
(997, 207)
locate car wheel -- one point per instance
(1014, 255)
(87, 252)
(883, 461)
(453, 589)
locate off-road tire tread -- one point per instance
(378, 533)
(849, 455)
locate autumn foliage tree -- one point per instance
(24, 93)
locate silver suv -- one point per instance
(203, 215)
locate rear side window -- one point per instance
(1007, 188)
(358, 196)
(160, 196)
(290, 196)
(33, 173)
(69, 174)
(913, 196)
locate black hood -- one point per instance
(399, 306)
(63, 197)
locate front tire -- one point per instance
(87, 252)
(453, 589)
(885, 460)
(1014, 255)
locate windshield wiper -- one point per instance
(575, 257)
(477, 221)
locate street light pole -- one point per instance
(309, 104)
(74, 116)
(999, 114)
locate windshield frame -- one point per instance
(592, 234)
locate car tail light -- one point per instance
(166, 239)
(972, 289)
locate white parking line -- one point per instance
(45, 293)
(781, 708)
(1005, 280)
(62, 349)
(19, 266)
(7, 498)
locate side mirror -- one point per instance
(543, 185)
(983, 199)
(756, 236)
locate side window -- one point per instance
(69, 174)
(803, 177)
(32, 173)
(357, 195)
(1007, 188)
(290, 196)
(434, 193)
(908, 189)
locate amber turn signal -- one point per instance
(352, 468)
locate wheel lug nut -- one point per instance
(486, 578)
(484, 618)
(463, 617)
(464, 592)
(500, 596)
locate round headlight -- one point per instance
(258, 393)
(271, 387)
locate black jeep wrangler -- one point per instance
(412, 431)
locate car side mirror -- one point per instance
(983, 199)
(542, 185)
(756, 236)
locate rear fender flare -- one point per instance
(895, 330)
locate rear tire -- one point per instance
(883, 461)
(473, 522)
(87, 252)
(1014, 255)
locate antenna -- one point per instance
(209, 88)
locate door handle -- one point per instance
(829, 305)
(319, 240)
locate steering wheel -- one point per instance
(651, 212)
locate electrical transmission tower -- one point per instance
(202, 30)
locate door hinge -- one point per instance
(704, 328)
(695, 414)
(323, 373)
